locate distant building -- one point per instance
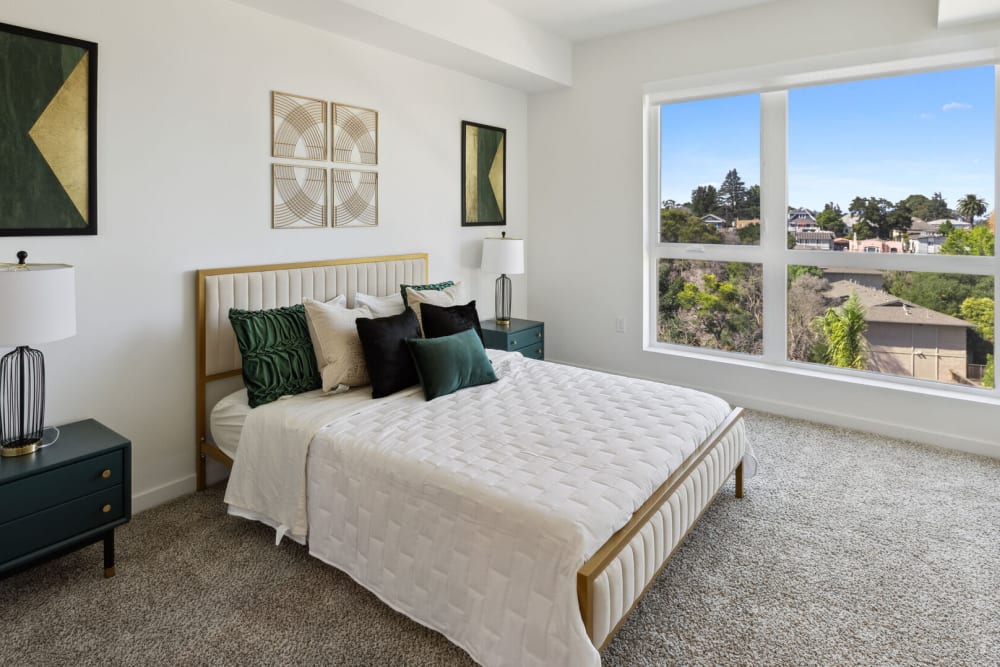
(875, 245)
(802, 220)
(957, 224)
(714, 220)
(814, 240)
(740, 224)
(906, 339)
(873, 278)
(927, 245)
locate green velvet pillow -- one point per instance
(432, 286)
(450, 363)
(278, 357)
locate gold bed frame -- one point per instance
(591, 570)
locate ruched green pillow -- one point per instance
(278, 357)
(450, 363)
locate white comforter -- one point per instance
(472, 513)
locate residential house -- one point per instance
(802, 220)
(714, 220)
(820, 240)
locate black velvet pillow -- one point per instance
(447, 320)
(383, 340)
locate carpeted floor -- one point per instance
(849, 549)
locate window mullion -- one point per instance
(774, 215)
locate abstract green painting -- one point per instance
(484, 174)
(48, 160)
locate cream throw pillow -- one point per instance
(335, 339)
(381, 306)
(449, 296)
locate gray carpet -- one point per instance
(848, 549)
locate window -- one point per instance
(871, 209)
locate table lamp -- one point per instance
(504, 256)
(38, 303)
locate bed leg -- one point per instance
(739, 480)
(200, 472)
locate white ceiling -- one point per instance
(578, 20)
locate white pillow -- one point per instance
(449, 296)
(335, 340)
(381, 306)
(339, 300)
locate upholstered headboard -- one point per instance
(273, 286)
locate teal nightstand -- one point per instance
(524, 336)
(65, 496)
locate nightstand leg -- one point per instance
(109, 554)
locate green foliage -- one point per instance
(678, 226)
(844, 329)
(971, 207)
(791, 241)
(749, 235)
(829, 219)
(711, 304)
(796, 270)
(976, 241)
(943, 292)
(879, 218)
(979, 311)
(946, 227)
(753, 203)
(989, 375)
(704, 200)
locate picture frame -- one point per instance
(355, 198)
(299, 196)
(299, 129)
(48, 129)
(484, 175)
(354, 135)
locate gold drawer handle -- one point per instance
(106, 474)
(106, 509)
(539, 334)
(513, 341)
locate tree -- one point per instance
(943, 292)
(989, 375)
(678, 226)
(937, 208)
(749, 235)
(796, 270)
(880, 217)
(669, 203)
(830, 220)
(976, 241)
(979, 311)
(753, 202)
(971, 207)
(844, 328)
(732, 195)
(806, 304)
(704, 200)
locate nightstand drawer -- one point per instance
(59, 485)
(524, 338)
(534, 351)
(61, 522)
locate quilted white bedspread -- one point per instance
(472, 513)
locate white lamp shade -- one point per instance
(503, 256)
(37, 304)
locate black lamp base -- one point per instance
(22, 401)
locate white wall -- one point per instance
(586, 199)
(184, 183)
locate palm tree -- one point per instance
(971, 207)
(845, 328)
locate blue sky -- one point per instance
(891, 137)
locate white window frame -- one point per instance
(772, 253)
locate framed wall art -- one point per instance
(355, 198)
(355, 134)
(298, 127)
(484, 174)
(48, 134)
(298, 197)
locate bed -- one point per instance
(574, 523)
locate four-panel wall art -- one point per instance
(306, 130)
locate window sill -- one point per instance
(844, 376)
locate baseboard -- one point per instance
(161, 494)
(831, 418)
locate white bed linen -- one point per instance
(474, 523)
(226, 421)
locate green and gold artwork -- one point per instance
(47, 134)
(484, 174)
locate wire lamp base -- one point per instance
(22, 401)
(502, 305)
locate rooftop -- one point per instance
(880, 306)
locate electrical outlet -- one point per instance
(620, 324)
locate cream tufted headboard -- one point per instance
(273, 286)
